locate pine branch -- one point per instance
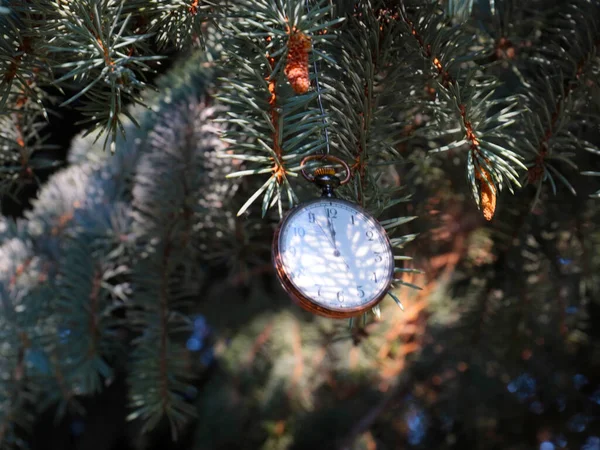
(169, 188)
(84, 246)
(24, 64)
(157, 354)
(550, 128)
(99, 49)
(15, 256)
(20, 143)
(25, 294)
(366, 93)
(25, 69)
(54, 207)
(471, 100)
(272, 123)
(102, 47)
(177, 24)
(91, 292)
(553, 73)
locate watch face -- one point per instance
(337, 256)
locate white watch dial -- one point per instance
(336, 255)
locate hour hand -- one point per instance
(332, 231)
(331, 237)
(325, 233)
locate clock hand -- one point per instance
(332, 231)
(337, 252)
(325, 232)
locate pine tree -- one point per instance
(147, 258)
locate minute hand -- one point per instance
(327, 234)
(337, 252)
(332, 231)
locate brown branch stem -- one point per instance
(278, 169)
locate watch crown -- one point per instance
(324, 171)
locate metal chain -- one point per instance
(315, 65)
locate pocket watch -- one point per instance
(331, 256)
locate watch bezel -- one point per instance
(303, 300)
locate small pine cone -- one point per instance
(487, 194)
(296, 68)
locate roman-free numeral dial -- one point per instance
(334, 255)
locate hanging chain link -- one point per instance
(318, 86)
